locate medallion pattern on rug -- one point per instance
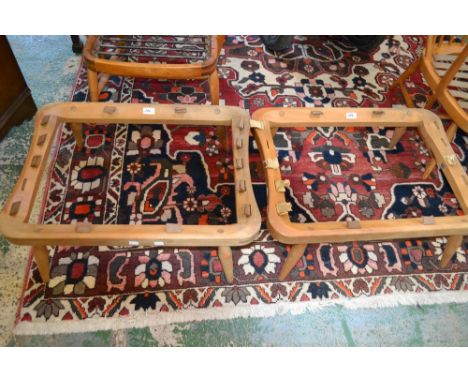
(157, 174)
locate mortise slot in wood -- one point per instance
(239, 163)
(36, 161)
(283, 208)
(428, 220)
(281, 185)
(271, 163)
(242, 185)
(23, 185)
(180, 109)
(256, 124)
(45, 120)
(353, 224)
(378, 112)
(109, 109)
(42, 138)
(247, 210)
(239, 143)
(316, 113)
(15, 208)
(241, 124)
(174, 228)
(83, 227)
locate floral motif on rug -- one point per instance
(157, 174)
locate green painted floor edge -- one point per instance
(44, 61)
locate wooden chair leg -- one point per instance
(397, 134)
(408, 72)
(93, 86)
(102, 81)
(430, 102)
(453, 243)
(429, 168)
(77, 130)
(223, 136)
(294, 255)
(213, 82)
(451, 131)
(225, 256)
(41, 255)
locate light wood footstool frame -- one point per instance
(266, 122)
(104, 56)
(14, 218)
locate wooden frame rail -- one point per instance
(14, 218)
(266, 122)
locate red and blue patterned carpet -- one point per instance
(183, 174)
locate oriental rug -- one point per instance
(336, 174)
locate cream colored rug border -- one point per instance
(141, 319)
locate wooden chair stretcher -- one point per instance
(14, 218)
(166, 57)
(265, 124)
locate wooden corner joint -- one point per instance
(248, 210)
(239, 143)
(256, 124)
(271, 163)
(283, 208)
(280, 185)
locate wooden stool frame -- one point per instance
(100, 68)
(266, 122)
(14, 218)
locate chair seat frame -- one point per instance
(204, 69)
(14, 218)
(267, 121)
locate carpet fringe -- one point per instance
(140, 320)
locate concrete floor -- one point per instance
(49, 67)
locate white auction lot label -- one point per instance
(149, 110)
